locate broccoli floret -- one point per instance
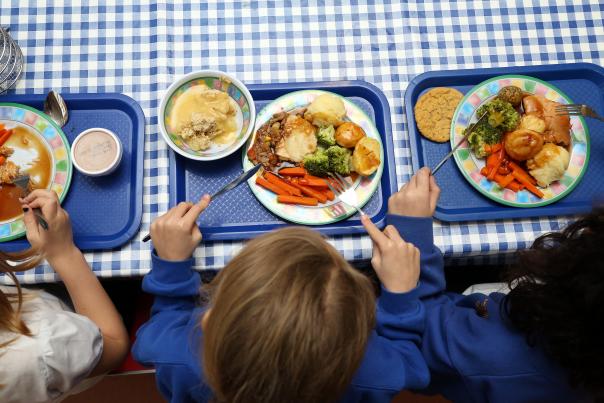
(339, 160)
(317, 164)
(483, 134)
(326, 136)
(502, 114)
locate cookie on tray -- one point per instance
(434, 112)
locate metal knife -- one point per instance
(229, 186)
(460, 142)
(23, 183)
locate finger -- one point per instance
(180, 210)
(194, 212)
(32, 230)
(393, 233)
(374, 232)
(413, 181)
(44, 193)
(434, 193)
(423, 179)
(196, 235)
(49, 207)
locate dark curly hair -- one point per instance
(557, 299)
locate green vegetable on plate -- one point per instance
(326, 136)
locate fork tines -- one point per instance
(570, 109)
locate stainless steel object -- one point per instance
(577, 110)
(11, 61)
(229, 186)
(23, 183)
(460, 142)
(344, 191)
(55, 107)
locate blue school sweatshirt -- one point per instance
(474, 358)
(171, 340)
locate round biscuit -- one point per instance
(434, 112)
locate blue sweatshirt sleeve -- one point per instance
(418, 231)
(392, 360)
(167, 340)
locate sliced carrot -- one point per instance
(275, 180)
(5, 136)
(315, 183)
(514, 186)
(504, 181)
(260, 181)
(329, 194)
(518, 169)
(492, 159)
(294, 171)
(485, 171)
(310, 192)
(304, 201)
(499, 160)
(2, 159)
(529, 186)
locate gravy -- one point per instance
(33, 157)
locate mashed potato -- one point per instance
(549, 164)
(325, 110)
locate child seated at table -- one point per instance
(539, 343)
(287, 320)
(46, 350)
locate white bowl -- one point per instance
(246, 115)
(106, 170)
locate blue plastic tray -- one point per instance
(239, 215)
(105, 211)
(459, 201)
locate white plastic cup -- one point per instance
(95, 150)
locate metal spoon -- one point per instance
(55, 107)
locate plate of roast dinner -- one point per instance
(30, 144)
(304, 138)
(524, 154)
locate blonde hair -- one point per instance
(290, 321)
(10, 318)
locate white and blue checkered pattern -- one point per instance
(139, 50)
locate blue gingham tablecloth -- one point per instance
(139, 49)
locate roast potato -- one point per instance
(325, 110)
(348, 134)
(366, 156)
(549, 164)
(523, 144)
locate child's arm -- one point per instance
(165, 341)
(393, 355)
(87, 294)
(410, 211)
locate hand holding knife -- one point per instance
(229, 186)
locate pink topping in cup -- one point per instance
(95, 151)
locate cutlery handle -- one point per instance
(40, 219)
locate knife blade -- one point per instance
(229, 186)
(236, 182)
(460, 142)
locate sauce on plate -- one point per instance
(33, 157)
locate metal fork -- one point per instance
(344, 191)
(23, 183)
(577, 110)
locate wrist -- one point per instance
(59, 259)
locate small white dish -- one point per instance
(218, 80)
(96, 152)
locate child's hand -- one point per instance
(417, 198)
(58, 239)
(175, 235)
(395, 261)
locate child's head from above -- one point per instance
(558, 300)
(289, 321)
(10, 317)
